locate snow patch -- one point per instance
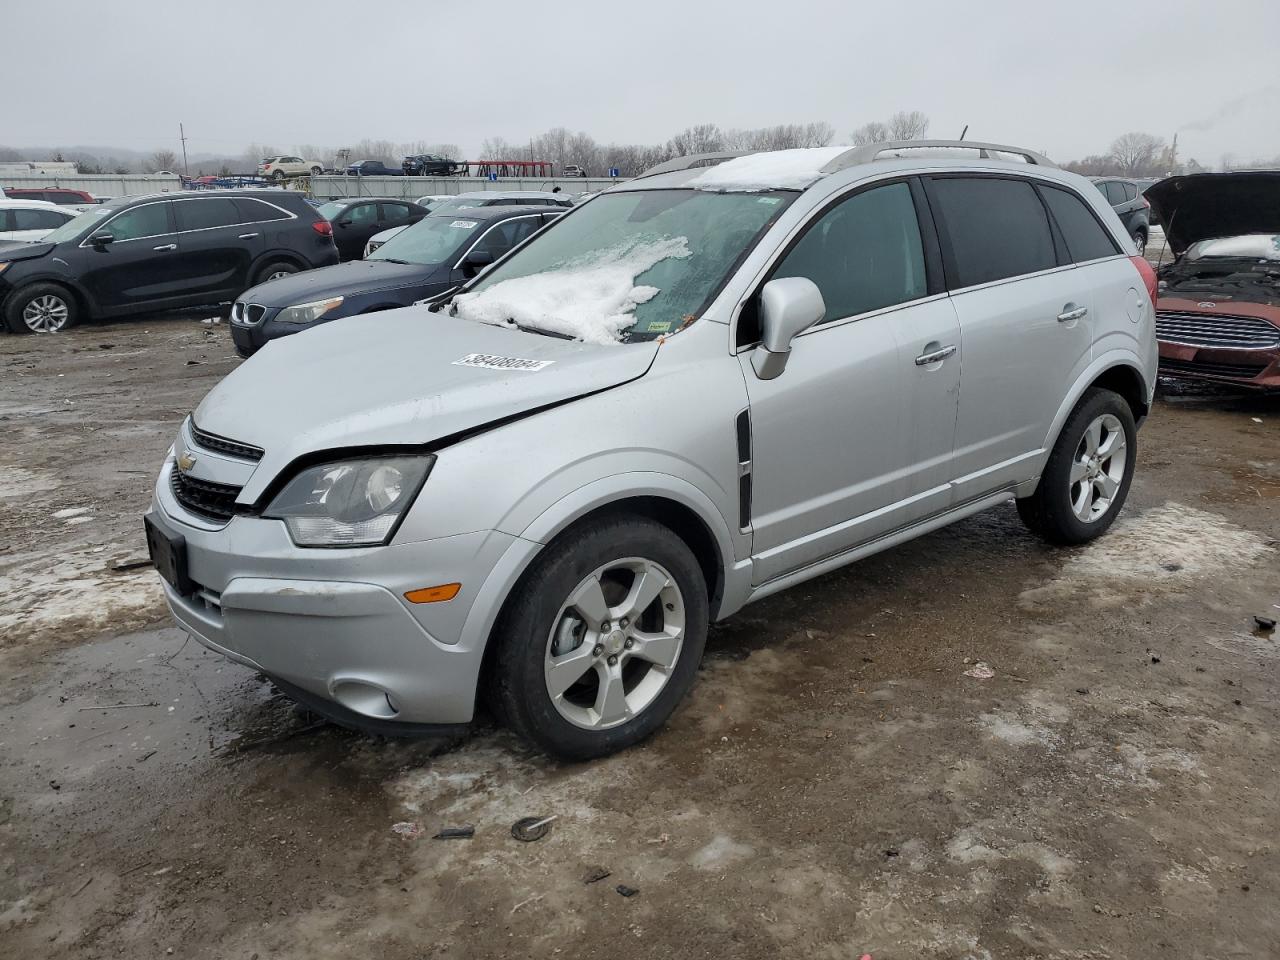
(42, 592)
(775, 170)
(17, 482)
(720, 852)
(591, 298)
(1162, 549)
(1013, 731)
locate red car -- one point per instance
(1218, 306)
(59, 195)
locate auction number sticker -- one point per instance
(491, 362)
(463, 224)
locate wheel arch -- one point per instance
(270, 256)
(84, 303)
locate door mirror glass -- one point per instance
(788, 307)
(477, 260)
(102, 239)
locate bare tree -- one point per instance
(500, 148)
(161, 160)
(703, 138)
(908, 125)
(873, 132)
(1137, 154)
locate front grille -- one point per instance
(214, 501)
(232, 448)
(1243, 371)
(254, 312)
(1216, 330)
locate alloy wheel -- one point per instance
(1098, 467)
(615, 643)
(46, 314)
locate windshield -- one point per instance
(430, 241)
(75, 227)
(628, 266)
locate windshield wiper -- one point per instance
(530, 328)
(390, 260)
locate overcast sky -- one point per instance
(1066, 78)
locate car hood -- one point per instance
(11, 250)
(343, 279)
(398, 378)
(1201, 206)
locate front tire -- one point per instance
(1087, 477)
(274, 271)
(316, 171)
(42, 308)
(602, 639)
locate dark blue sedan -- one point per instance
(433, 255)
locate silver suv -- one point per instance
(711, 383)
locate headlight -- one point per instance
(308, 312)
(353, 503)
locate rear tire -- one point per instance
(316, 171)
(273, 271)
(601, 640)
(42, 308)
(1140, 241)
(278, 175)
(1086, 479)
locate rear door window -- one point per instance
(395, 212)
(255, 211)
(864, 254)
(992, 229)
(362, 213)
(149, 220)
(207, 213)
(1130, 192)
(1086, 238)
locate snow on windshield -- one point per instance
(591, 298)
(775, 170)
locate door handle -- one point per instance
(927, 358)
(1072, 312)
(247, 236)
(166, 246)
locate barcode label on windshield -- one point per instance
(490, 362)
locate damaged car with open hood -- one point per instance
(1218, 307)
(713, 382)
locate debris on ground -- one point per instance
(980, 671)
(407, 829)
(529, 829)
(127, 565)
(120, 706)
(456, 833)
(1265, 623)
(594, 875)
(534, 899)
(626, 891)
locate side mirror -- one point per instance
(788, 307)
(475, 261)
(102, 239)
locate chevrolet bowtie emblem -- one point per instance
(186, 461)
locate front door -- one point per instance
(854, 438)
(139, 268)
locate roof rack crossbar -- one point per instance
(872, 151)
(693, 160)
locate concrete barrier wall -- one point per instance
(100, 185)
(333, 187)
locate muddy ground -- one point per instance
(834, 786)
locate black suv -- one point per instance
(136, 254)
(428, 165)
(356, 220)
(1133, 209)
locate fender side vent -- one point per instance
(743, 428)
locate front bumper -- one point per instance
(335, 623)
(1254, 369)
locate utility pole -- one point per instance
(182, 135)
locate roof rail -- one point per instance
(693, 160)
(872, 151)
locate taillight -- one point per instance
(1146, 203)
(1148, 276)
(325, 228)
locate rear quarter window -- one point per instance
(255, 211)
(1086, 238)
(992, 228)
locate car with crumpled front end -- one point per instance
(421, 261)
(709, 384)
(1218, 306)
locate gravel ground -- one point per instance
(836, 785)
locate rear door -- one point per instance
(397, 215)
(854, 438)
(1024, 319)
(352, 230)
(139, 269)
(215, 250)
